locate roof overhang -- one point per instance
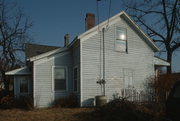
(20, 71)
(47, 54)
(160, 62)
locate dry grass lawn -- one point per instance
(49, 114)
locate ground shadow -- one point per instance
(88, 115)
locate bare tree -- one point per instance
(14, 26)
(161, 20)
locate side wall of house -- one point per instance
(44, 94)
(138, 62)
(76, 64)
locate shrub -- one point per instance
(121, 110)
(161, 86)
(70, 101)
(24, 102)
(3, 93)
(7, 102)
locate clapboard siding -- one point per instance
(139, 59)
(43, 78)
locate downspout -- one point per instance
(103, 30)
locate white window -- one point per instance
(128, 78)
(24, 85)
(60, 78)
(121, 40)
(75, 78)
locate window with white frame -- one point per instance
(121, 40)
(59, 79)
(24, 85)
(75, 71)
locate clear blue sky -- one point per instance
(54, 18)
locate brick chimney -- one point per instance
(66, 40)
(89, 21)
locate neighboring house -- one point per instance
(76, 67)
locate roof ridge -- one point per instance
(42, 45)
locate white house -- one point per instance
(116, 50)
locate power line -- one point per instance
(97, 8)
(109, 12)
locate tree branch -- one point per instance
(174, 47)
(149, 28)
(165, 16)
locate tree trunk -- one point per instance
(169, 59)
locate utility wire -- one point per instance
(109, 12)
(97, 8)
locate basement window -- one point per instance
(121, 40)
(60, 79)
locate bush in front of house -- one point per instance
(160, 86)
(7, 102)
(24, 102)
(122, 110)
(70, 101)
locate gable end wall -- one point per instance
(139, 60)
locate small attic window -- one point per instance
(121, 40)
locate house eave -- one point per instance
(160, 62)
(46, 54)
(20, 71)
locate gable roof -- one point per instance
(114, 19)
(35, 49)
(93, 30)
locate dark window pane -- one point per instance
(60, 84)
(59, 78)
(23, 86)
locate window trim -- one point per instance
(77, 78)
(122, 28)
(53, 83)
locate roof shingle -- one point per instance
(35, 49)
